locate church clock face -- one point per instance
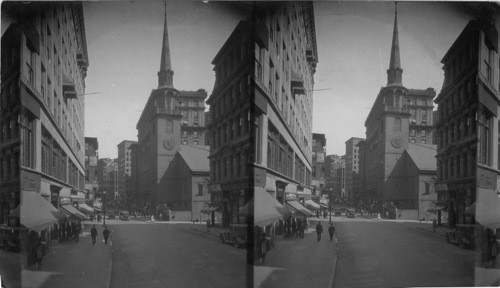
(397, 142)
(169, 143)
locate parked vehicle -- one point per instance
(338, 212)
(124, 216)
(111, 215)
(237, 234)
(350, 213)
(463, 235)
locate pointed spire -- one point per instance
(165, 76)
(395, 73)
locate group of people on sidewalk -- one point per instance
(105, 234)
(319, 230)
(263, 243)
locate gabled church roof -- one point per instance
(196, 157)
(423, 155)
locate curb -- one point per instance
(110, 266)
(332, 278)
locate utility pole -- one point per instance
(330, 196)
(104, 210)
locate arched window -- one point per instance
(397, 125)
(170, 126)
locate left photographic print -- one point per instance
(105, 170)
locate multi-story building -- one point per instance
(283, 81)
(124, 172)
(318, 162)
(339, 177)
(134, 188)
(107, 176)
(170, 118)
(192, 108)
(468, 124)
(363, 200)
(396, 112)
(91, 158)
(229, 128)
(352, 168)
(420, 105)
(44, 65)
(330, 161)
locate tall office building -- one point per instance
(352, 168)
(91, 158)
(125, 172)
(44, 65)
(318, 165)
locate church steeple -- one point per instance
(395, 73)
(165, 75)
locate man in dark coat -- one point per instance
(105, 234)
(263, 248)
(319, 230)
(93, 234)
(331, 231)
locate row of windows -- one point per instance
(230, 129)
(230, 166)
(232, 96)
(456, 99)
(186, 142)
(456, 130)
(461, 60)
(193, 134)
(458, 166)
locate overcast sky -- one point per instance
(354, 45)
(354, 41)
(124, 46)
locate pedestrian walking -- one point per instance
(319, 230)
(434, 224)
(263, 248)
(93, 234)
(39, 254)
(300, 227)
(331, 231)
(105, 234)
(208, 226)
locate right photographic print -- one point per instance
(376, 156)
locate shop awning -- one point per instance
(35, 212)
(86, 208)
(73, 213)
(440, 206)
(297, 207)
(312, 205)
(264, 208)
(487, 208)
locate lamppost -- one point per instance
(330, 197)
(104, 210)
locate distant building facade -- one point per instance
(318, 165)
(352, 168)
(91, 159)
(124, 172)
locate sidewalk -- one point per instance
(75, 265)
(422, 225)
(296, 262)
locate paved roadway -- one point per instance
(173, 255)
(398, 254)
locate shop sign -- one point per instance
(486, 179)
(30, 181)
(320, 157)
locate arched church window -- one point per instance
(397, 125)
(170, 126)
